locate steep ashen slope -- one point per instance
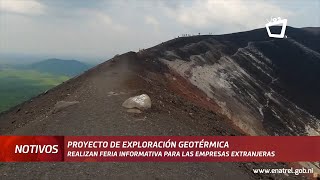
(266, 87)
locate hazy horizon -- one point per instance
(17, 58)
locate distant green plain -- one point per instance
(17, 86)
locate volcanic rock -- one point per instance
(63, 104)
(134, 110)
(141, 102)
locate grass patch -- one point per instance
(17, 86)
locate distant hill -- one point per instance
(60, 67)
(3, 66)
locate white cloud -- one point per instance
(152, 21)
(245, 13)
(103, 19)
(29, 7)
(112, 27)
(109, 21)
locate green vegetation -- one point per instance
(19, 83)
(17, 86)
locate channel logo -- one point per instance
(276, 22)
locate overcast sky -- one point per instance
(103, 28)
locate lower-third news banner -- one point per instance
(159, 148)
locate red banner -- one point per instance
(160, 148)
(31, 148)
